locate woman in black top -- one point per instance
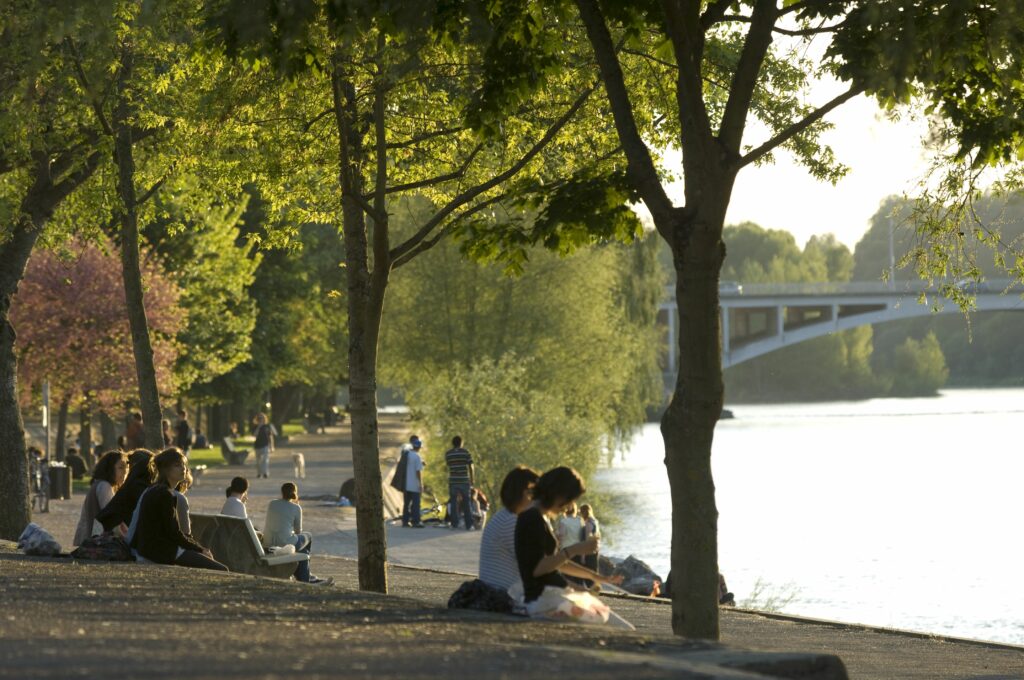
(157, 533)
(541, 562)
(121, 507)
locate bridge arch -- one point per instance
(758, 319)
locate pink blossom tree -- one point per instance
(73, 330)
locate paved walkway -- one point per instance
(868, 653)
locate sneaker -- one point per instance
(317, 581)
(419, 526)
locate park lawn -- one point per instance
(209, 457)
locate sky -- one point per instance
(885, 157)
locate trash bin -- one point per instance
(60, 481)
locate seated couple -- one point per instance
(519, 552)
(283, 524)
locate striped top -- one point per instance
(458, 461)
(498, 566)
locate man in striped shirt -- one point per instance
(460, 482)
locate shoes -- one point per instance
(317, 581)
(419, 526)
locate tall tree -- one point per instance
(395, 82)
(49, 148)
(961, 56)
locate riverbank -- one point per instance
(868, 652)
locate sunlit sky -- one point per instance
(885, 157)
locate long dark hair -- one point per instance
(558, 484)
(104, 470)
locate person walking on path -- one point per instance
(283, 526)
(183, 433)
(413, 485)
(460, 481)
(264, 445)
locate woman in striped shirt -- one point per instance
(498, 566)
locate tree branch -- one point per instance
(381, 240)
(316, 119)
(427, 244)
(84, 82)
(468, 195)
(639, 164)
(413, 141)
(786, 31)
(799, 126)
(741, 92)
(714, 13)
(439, 179)
(151, 191)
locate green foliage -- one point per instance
(214, 270)
(581, 329)
(919, 367)
(506, 419)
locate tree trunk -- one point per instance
(365, 302)
(282, 404)
(15, 511)
(149, 397)
(108, 431)
(62, 428)
(688, 424)
(85, 434)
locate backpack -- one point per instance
(262, 437)
(478, 595)
(398, 481)
(107, 546)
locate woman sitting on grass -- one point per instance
(542, 564)
(107, 477)
(498, 566)
(155, 534)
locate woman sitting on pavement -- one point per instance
(542, 564)
(181, 502)
(155, 534)
(498, 566)
(236, 494)
(118, 512)
(283, 526)
(107, 477)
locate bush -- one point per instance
(504, 423)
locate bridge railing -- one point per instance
(906, 287)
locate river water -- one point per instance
(902, 513)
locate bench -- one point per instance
(234, 543)
(232, 455)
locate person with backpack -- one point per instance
(264, 445)
(413, 490)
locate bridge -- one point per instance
(761, 318)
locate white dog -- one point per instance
(299, 461)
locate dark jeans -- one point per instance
(410, 507)
(303, 544)
(454, 489)
(191, 558)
